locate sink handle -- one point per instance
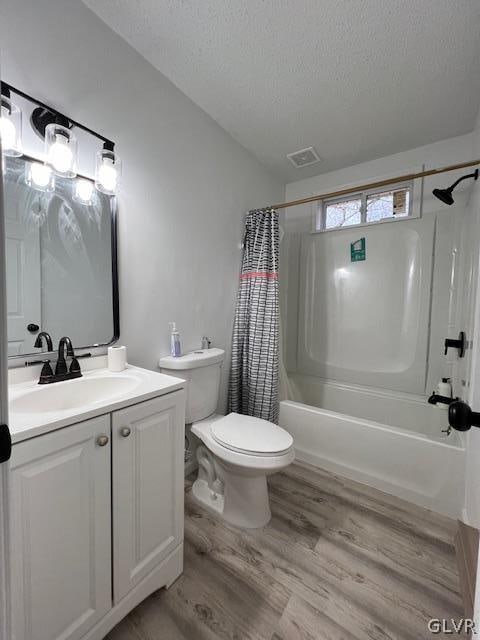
(46, 374)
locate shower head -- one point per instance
(445, 195)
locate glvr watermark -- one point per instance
(451, 626)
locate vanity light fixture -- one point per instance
(61, 148)
(83, 191)
(108, 169)
(10, 124)
(40, 176)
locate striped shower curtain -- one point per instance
(254, 370)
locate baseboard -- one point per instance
(162, 576)
(466, 549)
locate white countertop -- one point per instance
(143, 385)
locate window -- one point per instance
(387, 204)
(365, 208)
(343, 214)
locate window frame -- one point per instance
(319, 208)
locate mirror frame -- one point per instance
(115, 287)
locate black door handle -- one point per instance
(461, 417)
(32, 327)
(460, 344)
(5, 443)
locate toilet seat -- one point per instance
(251, 436)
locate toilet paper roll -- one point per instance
(117, 358)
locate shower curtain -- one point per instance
(253, 386)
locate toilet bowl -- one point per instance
(237, 453)
(241, 451)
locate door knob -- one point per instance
(461, 417)
(102, 441)
(125, 432)
(32, 327)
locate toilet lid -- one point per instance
(251, 435)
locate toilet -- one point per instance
(237, 452)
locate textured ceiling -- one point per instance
(356, 79)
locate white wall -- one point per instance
(186, 182)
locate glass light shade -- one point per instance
(83, 191)
(40, 176)
(61, 150)
(10, 128)
(108, 170)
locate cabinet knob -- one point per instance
(102, 441)
(125, 432)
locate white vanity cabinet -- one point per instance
(97, 519)
(60, 532)
(147, 444)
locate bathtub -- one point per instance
(426, 470)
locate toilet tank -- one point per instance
(201, 369)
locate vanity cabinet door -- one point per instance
(148, 478)
(60, 544)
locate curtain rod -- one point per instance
(373, 185)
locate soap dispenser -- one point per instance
(445, 388)
(175, 346)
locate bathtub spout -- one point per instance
(435, 399)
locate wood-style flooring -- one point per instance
(338, 560)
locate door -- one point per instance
(4, 453)
(22, 252)
(60, 532)
(147, 458)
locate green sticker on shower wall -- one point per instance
(358, 250)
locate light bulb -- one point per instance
(8, 133)
(107, 175)
(60, 155)
(10, 127)
(108, 170)
(40, 175)
(83, 190)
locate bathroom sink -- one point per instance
(36, 409)
(73, 394)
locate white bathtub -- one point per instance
(425, 470)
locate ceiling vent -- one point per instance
(304, 157)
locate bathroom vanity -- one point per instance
(96, 497)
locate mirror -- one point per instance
(60, 262)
